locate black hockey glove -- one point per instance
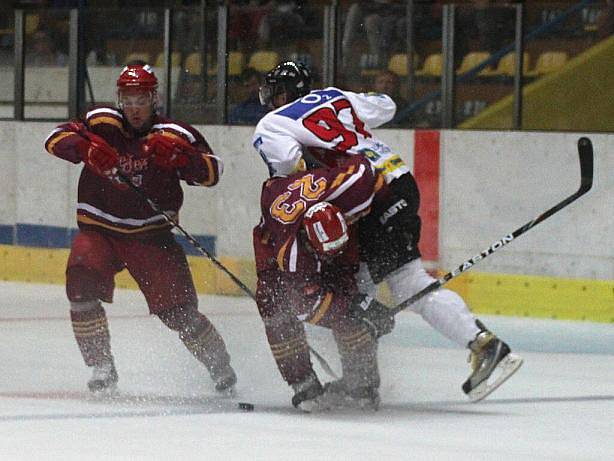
(377, 317)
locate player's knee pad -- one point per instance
(408, 280)
(84, 306)
(186, 320)
(83, 285)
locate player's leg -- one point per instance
(491, 358)
(389, 248)
(161, 270)
(89, 279)
(288, 342)
(358, 352)
(356, 342)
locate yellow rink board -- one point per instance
(499, 294)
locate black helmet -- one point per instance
(290, 77)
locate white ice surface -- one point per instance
(559, 406)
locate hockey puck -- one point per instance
(246, 406)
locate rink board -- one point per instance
(500, 294)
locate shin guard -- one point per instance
(91, 329)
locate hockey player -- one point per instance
(307, 258)
(329, 124)
(118, 230)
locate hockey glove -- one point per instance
(169, 153)
(99, 156)
(373, 314)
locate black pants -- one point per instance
(389, 235)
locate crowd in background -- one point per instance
(370, 33)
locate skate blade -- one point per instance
(314, 406)
(107, 393)
(502, 372)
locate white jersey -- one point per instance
(330, 119)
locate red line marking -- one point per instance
(426, 172)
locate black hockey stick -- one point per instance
(585, 152)
(173, 222)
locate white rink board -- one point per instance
(491, 184)
(495, 182)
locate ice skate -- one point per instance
(338, 395)
(492, 362)
(307, 395)
(225, 381)
(104, 379)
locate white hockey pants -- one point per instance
(443, 309)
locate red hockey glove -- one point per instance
(98, 155)
(169, 153)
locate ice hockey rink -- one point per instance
(559, 406)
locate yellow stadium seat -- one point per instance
(137, 57)
(236, 63)
(192, 63)
(175, 59)
(471, 60)
(32, 22)
(548, 62)
(398, 64)
(263, 61)
(507, 65)
(432, 66)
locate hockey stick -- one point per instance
(173, 222)
(585, 152)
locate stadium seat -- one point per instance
(192, 63)
(507, 65)
(548, 62)
(175, 59)
(398, 63)
(236, 64)
(471, 60)
(137, 56)
(432, 66)
(263, 61)
(32, 22)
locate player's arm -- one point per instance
(353, 187)
(374, 109)
(73, 141)
(280, 151)
(182, 148)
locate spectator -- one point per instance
(43, 51)
(387, 82)
(495, 23)
(283, 22)
(383, 22)
(249, 111)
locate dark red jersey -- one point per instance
(108, 205)
(284, 200)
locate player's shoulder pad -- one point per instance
(177, 128)
(104, 115)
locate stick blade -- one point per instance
(585, 151)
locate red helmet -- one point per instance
(326, 228)
(137, 77)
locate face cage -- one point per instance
(153, 99)
(265, 94)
